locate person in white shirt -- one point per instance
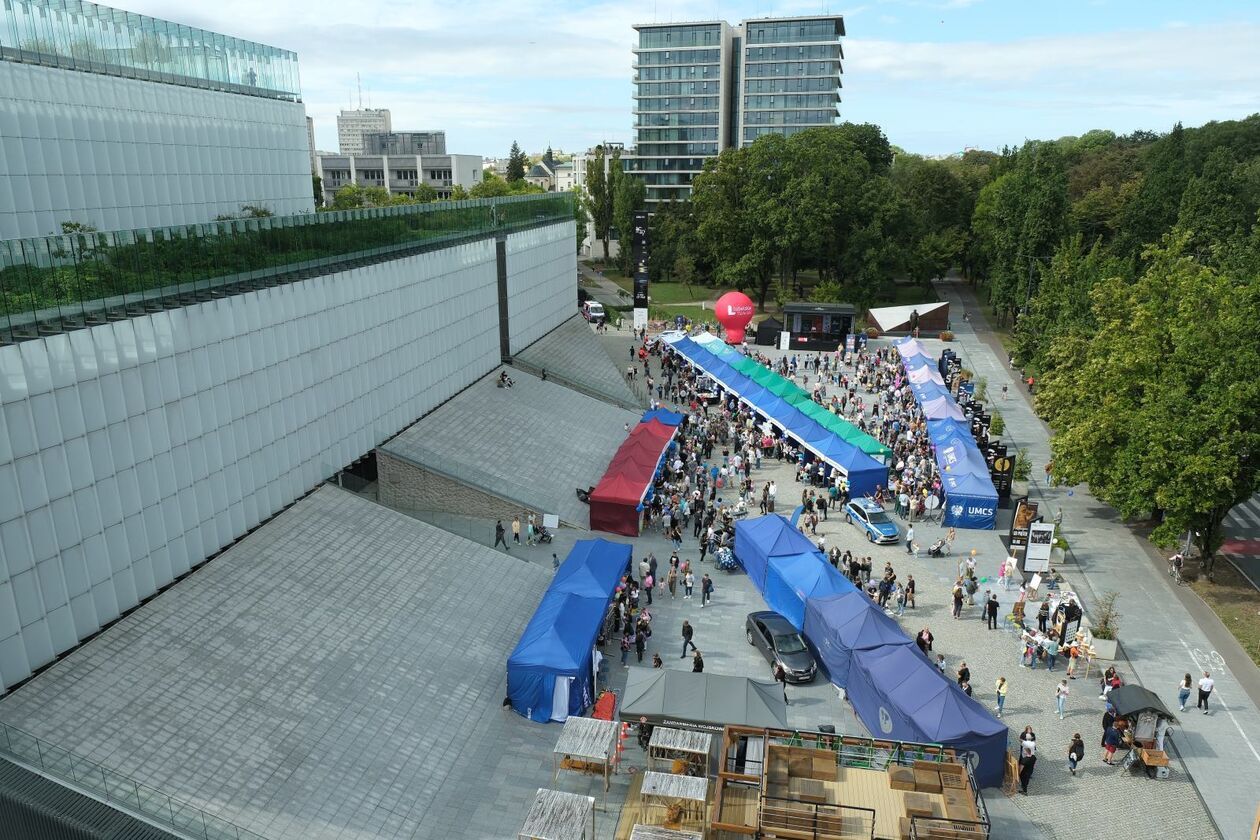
(1205, 691)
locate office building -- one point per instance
(353, 125)
(707, 86)
(405, 143)
(400, 174)
(100, 127)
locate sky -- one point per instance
(939, 76)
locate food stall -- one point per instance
(1151, 721)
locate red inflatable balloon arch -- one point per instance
(734, 310)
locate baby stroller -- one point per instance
(939, 548)
(725, 560)
(544, 536)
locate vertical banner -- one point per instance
(1025, 515)
(640, 254)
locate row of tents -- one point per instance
(617, 500)
(830, 438)
(551, 672)
(894, 689)
(971, 500)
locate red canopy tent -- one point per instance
(615, 500)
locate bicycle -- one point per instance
(1174, 568)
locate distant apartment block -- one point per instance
(353, 125)
(400, 174)
(707, 86)
(405, 143)
(119, 121)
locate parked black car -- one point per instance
(781, 644)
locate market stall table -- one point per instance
(556, 815)
(669, 745)
(660, 832)
(587, 745)
(691, 791)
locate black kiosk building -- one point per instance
(818, 326)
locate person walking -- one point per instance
(1076, 752)
(706, 590)
(689, 581)
(625, 650)
(1001, 688)
(910, 540)
(516, 529)
(1111, 743)
(498, 536)
(958, 599)
(640, 642)
(1051, 647)
(529, 529)
(910, 585)
(991, 611)
(1205, 691)
(780, 676)
(649, 583)
(687, 633)
(1183, 692)
(1060, 697)
(673, 581)
(1027, 761)
(697, 663)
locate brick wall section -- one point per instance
(404, 486)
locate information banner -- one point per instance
(640, 254)
(1025, 514)
(1002, 472)
(1040, 542)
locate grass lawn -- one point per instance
(1236, 602)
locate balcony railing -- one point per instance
(59, 283)
(122, 792)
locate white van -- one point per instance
(594, 312)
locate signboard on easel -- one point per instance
(1025, 515)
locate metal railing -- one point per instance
(116, 789)
(58, 283)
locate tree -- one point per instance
(317, 187)
(579, 216)
(685, 270)
(599, 198)
(490, 186)
(458, 193)
(1144, 410)
(424, 194)
(629, 197)
(517, 163)
(870, 141)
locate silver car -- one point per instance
(780, 644)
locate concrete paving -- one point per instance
(571, 355)
(1164, 633)
(533, 443)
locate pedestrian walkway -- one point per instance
(1160, 640)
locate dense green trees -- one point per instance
(1132, 265)
(517, 163)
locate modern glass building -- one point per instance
(115, 120)
(791, 75)
(682, 91)
(706, 86)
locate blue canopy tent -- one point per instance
(550, 672)
(898, 694)
(941, 408)
(863, 472)
(959, 456)
(763, 537)
(795, 579)
(970, 501)
(839, 625)
(944, 429)
(669, 418)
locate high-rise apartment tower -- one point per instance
(707, 86)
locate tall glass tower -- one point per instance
(706, 86)
(682, 91)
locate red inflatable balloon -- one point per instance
(734, 311)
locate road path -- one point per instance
(1165, 631)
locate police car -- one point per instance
(871, 518)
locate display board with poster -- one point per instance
(1025, 515)
(1002, 471)
(1040, 542)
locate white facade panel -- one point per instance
(131, 451)
(120, 153)
(542, 281)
